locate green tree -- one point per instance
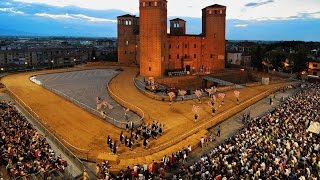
(257, 57)
(300, 61)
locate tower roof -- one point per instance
(126, 15)
(215, 6)
(177, 19)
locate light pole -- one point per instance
(74, 61)
(26, 65)
(52, 63)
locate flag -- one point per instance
(198, 93)
(213, 98)
(105, 103)
(98, 100)
(110, 106)
(195, 109)
(99, 106)
(182, 92)
(221, 95)
(171, 95)
(236, 93)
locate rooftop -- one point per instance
(126, 15)
(177, 19)
(215, 6)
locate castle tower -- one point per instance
(153, 33)
(214, 30)
(177, 26)
(128, 31)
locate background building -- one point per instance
(145, 41)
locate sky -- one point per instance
(290, 19)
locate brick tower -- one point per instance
(153, 35)
(213, 28)
(128, 36)
(177, 26)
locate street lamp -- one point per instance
(26, 65)
(52, 63)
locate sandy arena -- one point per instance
(85, 134)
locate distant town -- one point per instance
(20, 53)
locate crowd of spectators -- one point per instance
(23, 151)
(275, 146)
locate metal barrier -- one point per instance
(126, 104)
(52, 134)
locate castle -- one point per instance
(145, 40)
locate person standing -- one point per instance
(195, 117)
(85, 175)
(219, 131)
(202, 142)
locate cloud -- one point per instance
(75, 16)
(55, 16)
(256, 4)
(93, 19)
(240, 25)
(11, 10)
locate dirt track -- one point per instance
(85, 131)
(76, 126)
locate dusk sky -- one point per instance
(246, 19)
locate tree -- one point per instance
(299, 61)
(257, 57)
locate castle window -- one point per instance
(178, 46)
(150, 4)
(178, 56)
(214, 35)
(126, 22)
(149, 68)
(194, 56)
(169, 56)
(155, 3)
(125, 52)
(211, 55)
(195, 46)
(127, 43)
(119, 22)
(169, 46)
(144, 4)
(220, 11)
(185, 56)
(210, 12)
(185, 46)
(130, 22)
